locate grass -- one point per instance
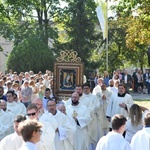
(145, 103)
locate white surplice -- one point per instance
(23, 109)
(28, 146)
(141, 140)
(5, 124)
(11, 142)
(63, 138)
(48, 134)
(82, 100)
(47, 137)
(113, 107)
(16, 108)
(96, 89)
(112, 89)
(101, 112)
(113, 141)
(81, 136)
(91, 102)
(12, 121)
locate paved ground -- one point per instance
(138, 96)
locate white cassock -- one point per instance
(81, 136)
(113, 141)
(12, 121)
(82, 100)
(23, 109)
(91, 102)
(101, 113)
(16, 108)
(113, 107)
(47, 137)
(66, 130)
(96, 89)
(28, 146)
(112, 89)
(141, 140)
(11, 142)
(5, 124)
(48, 134)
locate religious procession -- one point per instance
(69, 71)
(103, 117)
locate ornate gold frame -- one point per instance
(67, 63)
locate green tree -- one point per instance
(25, 21)
(29, 15)
(116, 48)
(31, 54)
(136, 19)
(79, 24)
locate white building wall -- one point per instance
(7, 48)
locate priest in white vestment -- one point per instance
(3, 105)
(98, 86)
(63, 129)
(14, 140)
(103, 96)
(83, 99)
(21, 105)
(111, 87)
(81, 116)
(12, 106)
(141, 140)
(4, 108)
(114, 140)
(62, 108)
(5, 124)
(91, 102)
(48, 133)
(119, 103)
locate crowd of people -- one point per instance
(105, 118)
(138, 81)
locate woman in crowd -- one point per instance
(41, 91)
(15, 87)
(106, 78)
(96, 78)
(134, 122)
(35, 90)
(40, 82)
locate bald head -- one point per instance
(3, 105)
(62, 108)
(38, 102)
(111, 82)
(100, 81)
